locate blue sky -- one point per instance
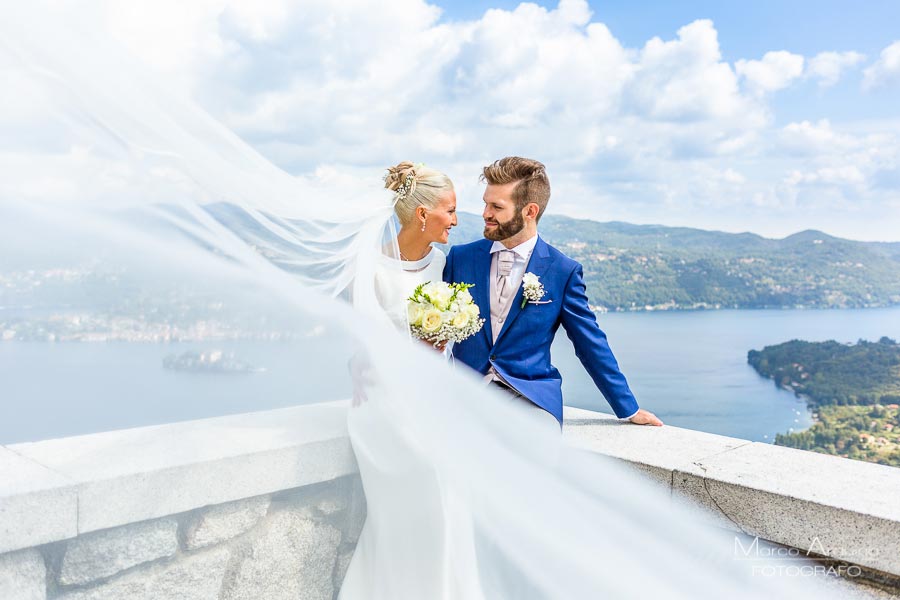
(750, 29)
(745, 28)
(770, 117)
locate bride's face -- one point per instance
(441, 219)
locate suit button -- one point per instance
(493, 356)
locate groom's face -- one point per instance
(501, 218)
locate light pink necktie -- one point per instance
(504, 268)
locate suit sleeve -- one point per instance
(592, 348)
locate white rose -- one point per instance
(531, 280)
(414, 313)
(472, 310)
(464, 297)
(439, 292)
(432, 320)
(461, 320)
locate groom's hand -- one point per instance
(645, 417)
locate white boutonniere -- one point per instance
(532, 290)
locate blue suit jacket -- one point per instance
(521, 354)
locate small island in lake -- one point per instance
(214, 361)
(852, 389)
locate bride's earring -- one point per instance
(423, 223)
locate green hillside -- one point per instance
(652, 267)
(853, 390)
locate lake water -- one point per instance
(690, 368)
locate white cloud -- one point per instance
(189, 44)
(685, 79)
(814, 138)
(849, 174)
(886, 69)
(775, 71)
(732, 176)
(828, 67)
(666, 132)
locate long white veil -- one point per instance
(179, 229)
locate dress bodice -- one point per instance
(395, 281)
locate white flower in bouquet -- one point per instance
(432, 319)
(439, 294)
(443, 312)
(461, 320)
(414, 312)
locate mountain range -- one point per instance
(654, 267)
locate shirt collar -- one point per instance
(524, 249)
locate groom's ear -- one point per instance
(532, 210)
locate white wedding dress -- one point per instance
(395, 281)
(408, 547)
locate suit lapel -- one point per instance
(538, 263)
(481, 292)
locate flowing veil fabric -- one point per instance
(183, 226)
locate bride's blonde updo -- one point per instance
(415, 185)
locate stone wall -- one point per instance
(294, 544)
(257, 506)
(269, 505)
(827, 506)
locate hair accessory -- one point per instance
(403, 190)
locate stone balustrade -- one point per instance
(829, 506)
(258, 506)
(269, 505)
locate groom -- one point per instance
(512, 350)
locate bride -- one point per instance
(403, 551)
(425, 205)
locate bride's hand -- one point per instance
(439, 346)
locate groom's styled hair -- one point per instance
(534, 186)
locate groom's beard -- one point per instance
(505, 230)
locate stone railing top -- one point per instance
(56, 489)
(853, 485)
(59, 488)
(841, 508)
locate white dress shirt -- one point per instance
(522, 254)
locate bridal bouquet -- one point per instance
(443, 312)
